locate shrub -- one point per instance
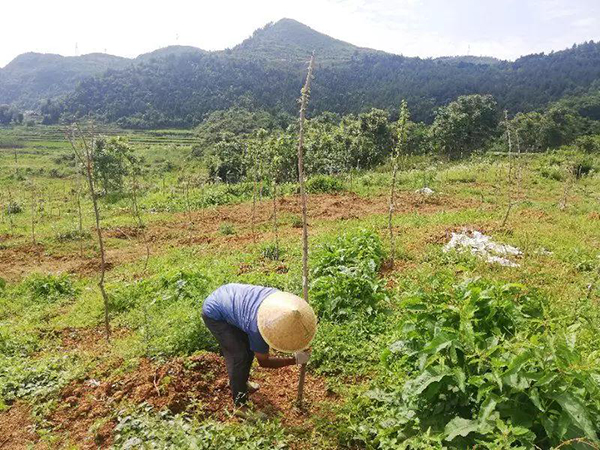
(322, 184)
(48, 288)
(346, 279)
(35, 379)
(13, 208)
(167, 311)
(552, 173)
(271, 251)
(582, 166)
(482, 371)
(226, 229)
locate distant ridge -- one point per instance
(180, 85)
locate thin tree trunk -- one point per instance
(402, 119)
(509, 180)
(138, 217)
(33, 202)
(275, 225)
(303, 105)
(80, 216)
(391, 213)
(9, 211)
(87, 162)
(254, 195)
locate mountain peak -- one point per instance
(288, 40)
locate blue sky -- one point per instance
(502, 28)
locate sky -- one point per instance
(504, 29)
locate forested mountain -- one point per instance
(266, 72)
(31, 77)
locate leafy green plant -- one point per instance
(271, 251)
(41, 288)
(13, 207)
(322, 184)
(345, 277)
(72, 235)
(483, 370)
(145, 428)
(226, 229)
(35, 379)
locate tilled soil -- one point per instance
(197, 385)
(202, 227)
(17, 430)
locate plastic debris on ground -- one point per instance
(482, 246)
(425, 191)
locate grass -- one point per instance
(157, 309)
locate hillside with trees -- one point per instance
(181, 86)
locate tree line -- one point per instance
(181, 91)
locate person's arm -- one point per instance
(274, 362)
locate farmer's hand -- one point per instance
(302, 357)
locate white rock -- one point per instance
(425, 191)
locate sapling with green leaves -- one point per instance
(398, 150)
(136, 171)
(84, 147)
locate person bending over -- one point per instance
(247, 321)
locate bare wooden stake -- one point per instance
(303, 105)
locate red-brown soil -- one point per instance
(21, 260)
(16, 428)
(197, 386)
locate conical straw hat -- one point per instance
(286, 322)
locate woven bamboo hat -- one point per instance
(286, 322)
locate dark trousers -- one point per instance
(238, 356)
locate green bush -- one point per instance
(322, 184)
(72, 235)
(271, 251)
(349, 348)
(41, 288)
(481, 370)
(13, 208)
(226, 229)
(345, 277)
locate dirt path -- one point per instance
(18, 262)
